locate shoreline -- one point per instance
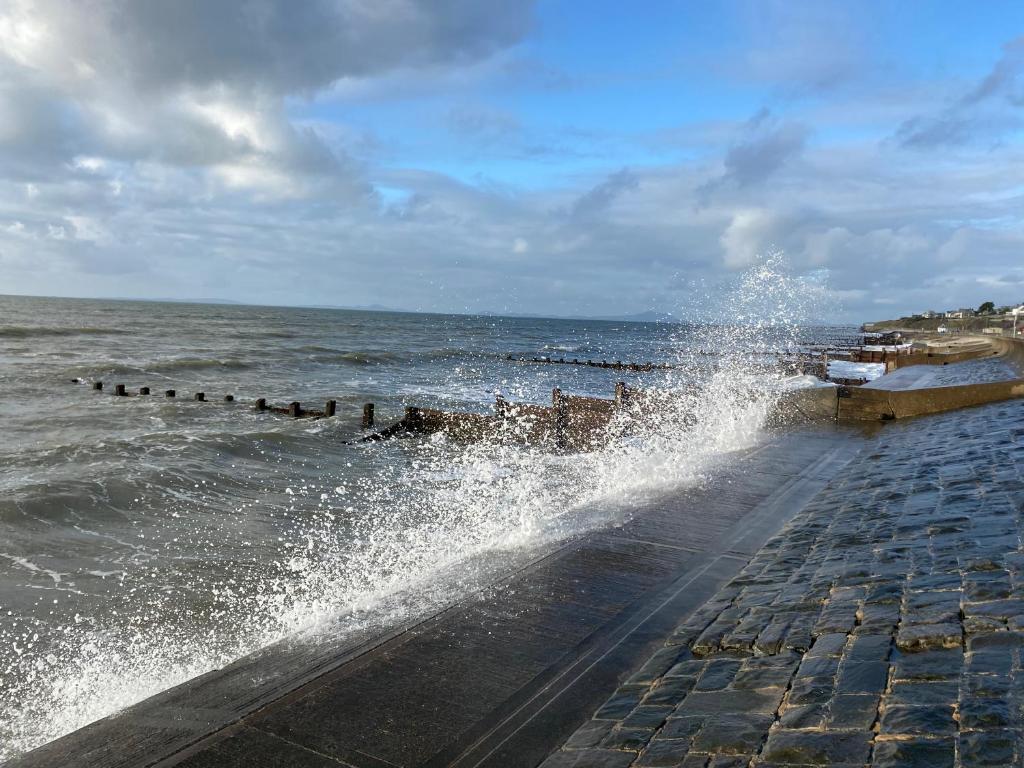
(220, 718)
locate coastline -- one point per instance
(507, 675)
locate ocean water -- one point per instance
(144, 541)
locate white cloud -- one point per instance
(747, 236)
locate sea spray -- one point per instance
(415, 525)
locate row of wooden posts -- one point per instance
(618, 365)
(293, 409)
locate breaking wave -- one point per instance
(413, 532)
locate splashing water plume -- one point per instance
(415, 525)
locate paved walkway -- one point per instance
(923, 376)
(883, 626)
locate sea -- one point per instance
(147, 540)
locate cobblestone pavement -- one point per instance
(883, 626)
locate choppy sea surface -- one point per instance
(144, 541)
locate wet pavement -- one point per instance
(970, 372)
(882, 626)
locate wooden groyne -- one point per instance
(572, 423)
(294, 409)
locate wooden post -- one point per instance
(97, 385)
(413, 419)
(621, 395)
(500, 406)
(200, 397)
(261, 404)
(368, 416)
(561, 419)
(295, 409)
(229, 398)
(143, 390)
(330, 408)
(119, 390)
(170, 393)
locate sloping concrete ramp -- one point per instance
(499, 679)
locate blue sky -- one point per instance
(558, 157)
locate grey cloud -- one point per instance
(273, 44)
(980, 114)
(597, 199)
(202, 85)
(765, 146)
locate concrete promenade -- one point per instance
(883, 626)
(499, 679)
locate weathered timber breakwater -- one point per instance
(576, 423)
(880, 626)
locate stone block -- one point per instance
(817, 748)
(863, 677)
(853, 711)
(877, 618)
(681, 727)
(979, 713)
(929, 665)
(690, 668)
(669, 690)
(828, 645)
(804, 716)
(986, 748)
(590, 734)
(914, 753)
(986, 686)
(998, 639)
(701, 703)
(627, 739)
(811, 690)
(717, 674)
(621, 703)
(996, 609)
(869, 647)
(765, 672)
(647, 716)
(917, 693)
(920, 637)
(733, 734)
(818, 666)
(662, 753)
(991, 661)
(927, 720)
(656, 666)
(729, 761)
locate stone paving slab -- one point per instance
(883, 626)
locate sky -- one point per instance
(563, 158)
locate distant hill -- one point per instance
(644, 317)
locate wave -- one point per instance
(193, 363)
(347, 549)
(37, 331)
(323, 354)
(98, 369)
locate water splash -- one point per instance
(431, 521)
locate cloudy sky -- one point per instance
(571, 158)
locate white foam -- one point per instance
(421, 534)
